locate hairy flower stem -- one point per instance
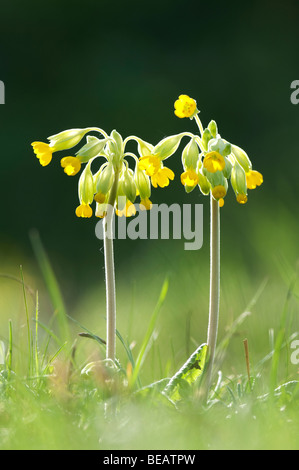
(110, 274)
(214, 286)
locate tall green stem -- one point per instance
(110, 274)
(214, 286)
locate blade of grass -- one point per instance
(52, 358)
(149, 333)
(89, 333)
(281, 335)
(36, 335)
(9, 357)
(129, 354)
(27, 322)
(51, 284)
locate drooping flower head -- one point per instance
(211, 162)
(115, 183)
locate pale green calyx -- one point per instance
(166, 147)
(128, 184)
(142, 183)
(115, 148)
(242, 158)
(203, 183)
(238, 179)
(104, 178)
(144, 148)
(190, 155)
(212, 126)
(86, 186)
(221, 146)
(91, 149)
(206, 137)
(67, 139)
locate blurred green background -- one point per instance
(121, 65)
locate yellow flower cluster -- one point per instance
(115, 183)
(211, 162)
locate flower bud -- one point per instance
(115, 148)
(227, 169)
(238, 180)
(67, 139)
(104, 178)
(118, 141)
(190, 155)
(142, 182)
(86, 186)
(128, 185)
(242, 158)
(167, 146)
(92, 148)
(206, 137)
(213, 128)
(203, 183)
(144, 148)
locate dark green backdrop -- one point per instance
(122, 65)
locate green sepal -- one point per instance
(143, 183)
(144, 148)
(190, 155)
(91, 149)
(221, 146)
(86, 186)
(166, 147)
(212, 126)
(203, 184)
(206, 137)
(67, 139)
(242, 158)
(238, 179)
(129, 185)
(104, 178)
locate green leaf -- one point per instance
(179, 385)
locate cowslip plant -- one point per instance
(113, 188)
(211, 163)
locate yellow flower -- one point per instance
(145, 204)
(218, 192)
(161, 177)
(213, 162)
(101, 210)
(185, 107)
(221, 202)
(127, 211)
(151, 164)
(71, 165)
(242, 198)
(84, 210)
(43, 152)
(253, 179)
(100, 197)
(153, 167)
(189, 178)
